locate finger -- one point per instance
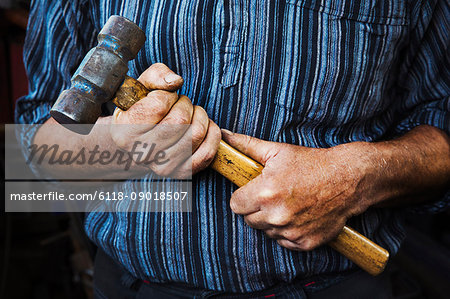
(199, 127)
(182, 149)
(257, 220)
(175, 126)
(180, 114)
(251, 197)
(159, 76)
(171, 129)
(141, 117)
(175, 155)
(273, 218)
(203, 155)
(327, 231)
(290, 234)
(191, 139)
(150, 110)
(289, 244)
(258, 149)
(303, 243)
(277, 227)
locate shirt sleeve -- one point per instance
(425, 76)
(59, 34)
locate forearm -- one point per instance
(98, 141)
(411, 169)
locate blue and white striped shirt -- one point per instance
(316, 73)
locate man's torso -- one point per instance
(312, 73)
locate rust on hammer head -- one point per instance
(100, 73)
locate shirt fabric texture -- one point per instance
(306, 72)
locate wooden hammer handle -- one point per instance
(240, 169)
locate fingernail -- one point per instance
(170, 78)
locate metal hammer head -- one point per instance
(100, 74)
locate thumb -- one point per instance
(257, 149)
(159, 76)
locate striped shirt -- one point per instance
(316, 73)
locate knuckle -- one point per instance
(181, 174)
(277, 219)
(271, 233)
(158, 93)
(206, 159)
(120, 142)
(184, 98)
(158, 66)
(159, 106)
(249, 221)
(163, 171)
(272, 192)
(287, 215)
(136, 116)
(181, 113)
(121, 139)
(291, 235)
(308, 244)
(179, 117)
(209, 157)
(215, 131)
(267, 194)
(273, 220)
(163, 95)
(234, 204)
(198, 133)
(287, 244)
(201, 110)
(201, 118)
(159, 111)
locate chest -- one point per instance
(307, 62)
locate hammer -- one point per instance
(101, 77)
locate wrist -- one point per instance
(411, 169)
(367, 165)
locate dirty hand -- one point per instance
(162, 119)
(303, 196)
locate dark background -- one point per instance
(47, 255)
